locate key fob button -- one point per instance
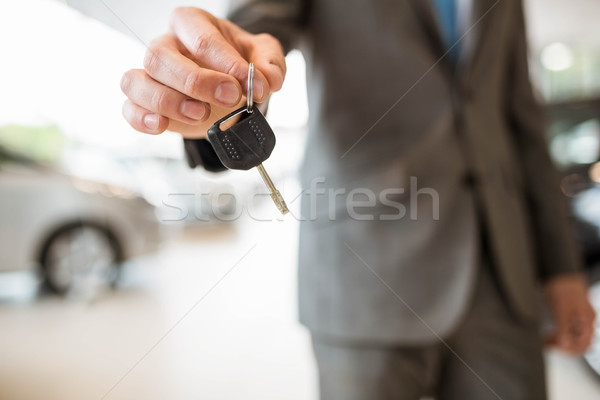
(247, 143)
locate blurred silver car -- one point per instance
(69, 229)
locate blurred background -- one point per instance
(124, 274)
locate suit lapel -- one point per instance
(431, 27)
(478, 28)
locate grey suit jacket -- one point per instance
(385, 112)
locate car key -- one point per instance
(247, 143)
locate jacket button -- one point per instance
(469, 180)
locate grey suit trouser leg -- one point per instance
(491, 355)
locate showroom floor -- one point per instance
(211, 316)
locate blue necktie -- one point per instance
(446, 10)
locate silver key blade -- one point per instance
(275, 195)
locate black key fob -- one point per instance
(247, 143)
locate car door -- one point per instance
(19, 200)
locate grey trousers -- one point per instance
(491, 355)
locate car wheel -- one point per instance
(80, 257)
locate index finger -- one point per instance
(198, 32)
(166, 65)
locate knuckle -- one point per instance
(159, 101)
(178, 13)
(270, 41)
(182, 12)
(203, 43)
(152, 59)
(126, 81)
(191, 84)
(266, 38)
(235, 68)
(200, 12)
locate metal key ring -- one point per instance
(250, 89)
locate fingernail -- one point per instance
(227, 93)
(259, 90)
(280, 70)
(151, 121)
(193, 109)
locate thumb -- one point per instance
(563, 337)
(266, 53)
(219, 45)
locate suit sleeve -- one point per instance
(557, 252)
(283, 19)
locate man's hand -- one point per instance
(197, 73)
(573, 314)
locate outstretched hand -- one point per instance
(196, 73)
